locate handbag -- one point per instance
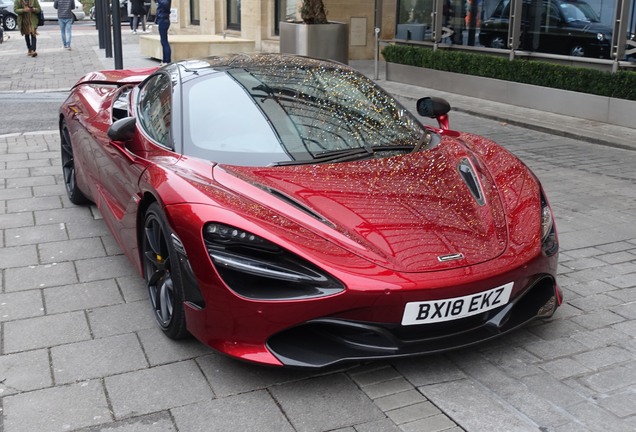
(40, 19)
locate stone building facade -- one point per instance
(257, 20)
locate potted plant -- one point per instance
(315, 36)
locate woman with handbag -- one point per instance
(28, 12)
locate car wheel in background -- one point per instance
(161, 271)
(498, 42)
(577, 51)
(10, 23)
(68, 167)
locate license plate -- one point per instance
(433, 311)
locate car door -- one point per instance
(558, 31)
(122, 163)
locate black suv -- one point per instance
(568, 27)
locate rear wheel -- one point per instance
(161, 271)
(68, 167)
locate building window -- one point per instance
(195, 14)
(576, 28)
(234, 14)
(285, 10)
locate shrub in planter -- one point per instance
(313, 12)
(620, 85)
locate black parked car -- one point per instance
(568, 27)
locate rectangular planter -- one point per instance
(193, 46)
(582, 105)
(324, 41)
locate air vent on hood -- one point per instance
(299, 206)
(469, 176)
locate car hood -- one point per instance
(432, 210)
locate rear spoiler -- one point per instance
(116, 77)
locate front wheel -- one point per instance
(161, 271)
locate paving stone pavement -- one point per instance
(79, 350)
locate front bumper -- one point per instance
(327, 341)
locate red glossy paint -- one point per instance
(387, 221)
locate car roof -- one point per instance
(256, 61)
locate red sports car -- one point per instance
(288, 211)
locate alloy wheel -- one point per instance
(158, 271)
(10, 23)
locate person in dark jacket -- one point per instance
(65, 19)
(28, 12)
(163, 22)
(138, 10)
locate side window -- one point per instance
(155, 109)
(554, 17)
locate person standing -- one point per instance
(163, 22)
(65, 19)
(28, 12)
(139, 12)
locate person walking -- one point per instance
(131, 17)
(163, 23)
(28, 12)
(139, 12)
(65, 19)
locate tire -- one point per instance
(10, 23)
(162, 274)
(498, 42)
(68, 167)
(577, 51)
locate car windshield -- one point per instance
(578, 11)
(273, 114)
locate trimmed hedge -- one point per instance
(621, 85)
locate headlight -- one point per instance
(549, 243)
(547, 222)
(258, 269)
(600, 37)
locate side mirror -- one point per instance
(434, 107)
(122, 129)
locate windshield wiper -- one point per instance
(425, 140)
(344, 155)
